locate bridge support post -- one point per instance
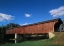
(15, 38)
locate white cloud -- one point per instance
(5, 17)
(24, 24)
(27, 15)
(57, 12)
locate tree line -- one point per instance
(3, 28)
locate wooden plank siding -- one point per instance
(39, 28)
(34, 29)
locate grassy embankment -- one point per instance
(58, 40)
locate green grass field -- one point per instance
(58, 40)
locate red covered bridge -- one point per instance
(36, 28)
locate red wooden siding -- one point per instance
(33, 29)
(40, 28)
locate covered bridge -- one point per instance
(39, 28)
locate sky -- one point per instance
(30, 11)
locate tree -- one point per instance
(3, 29)
(12, 25)
(63, 21)
(61, 27)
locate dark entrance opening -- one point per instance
(57, 25)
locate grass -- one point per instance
(58, 40)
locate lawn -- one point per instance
(58, 40)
